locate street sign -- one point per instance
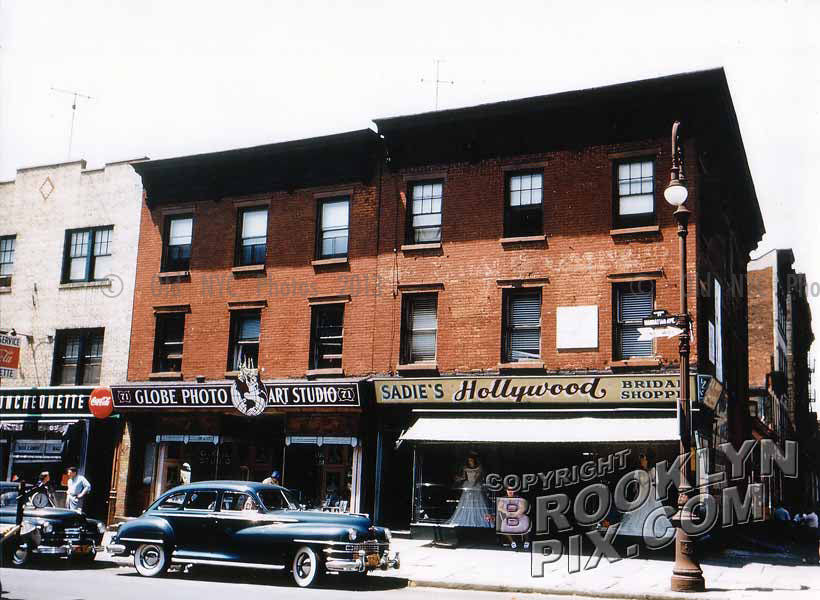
(650, 333)
(663, 321)
(9, 356)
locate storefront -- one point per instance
(308, 431)
(50, 429)
(439, 438)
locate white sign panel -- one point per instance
(576, 327)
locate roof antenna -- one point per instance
(438, 80)
(73, 112)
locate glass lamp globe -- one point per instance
(676, 193)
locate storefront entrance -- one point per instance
(325, 476)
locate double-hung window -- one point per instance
(327, 336)
(253, 224)
(425, 212)
(419, 328)
(635, 193)
(87, 254)
(244, 339)
(168, 342)
(6, 259)
(179, 231)
(333, 227)
(522, 325)
(524, 208)
(77, 357)
(633, 302)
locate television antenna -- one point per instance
(73, 112)
(438, 81)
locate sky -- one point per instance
(170, 78)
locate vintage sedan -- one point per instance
(48, 530)
(246, 524)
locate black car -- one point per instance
(48, 530)
(244, 524)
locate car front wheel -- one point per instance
(307, 567)
(20, 555)
(151, 560)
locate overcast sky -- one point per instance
(170, 78)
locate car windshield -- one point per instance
(277, 499)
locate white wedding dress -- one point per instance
(474, 508)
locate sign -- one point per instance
(44, 402)
(233, 395)
(9, 356)
(650, 333)
(101, 402)
(711, 396)
(592, 389)
(246, 394)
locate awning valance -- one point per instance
(582, 429)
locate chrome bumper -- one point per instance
(359, 563)
(115, 549)
(66, 549)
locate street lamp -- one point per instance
(687, 575)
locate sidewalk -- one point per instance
(729, 574)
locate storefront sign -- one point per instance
(101, 403)
(554, 389)
(44, 402)
(9, 356)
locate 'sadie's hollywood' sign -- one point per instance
(558, 388)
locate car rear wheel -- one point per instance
(307, 567)
(20, 555)
(151, 560)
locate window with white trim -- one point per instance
(633, 302)
(419, 328)
(522, 325)
(253, 232)
(333, 227)
(635, 193)
(425, 212)
(87, 254)
(77, 356)
(524, 212)
(327, 336)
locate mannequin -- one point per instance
(474, 508)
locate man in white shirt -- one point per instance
(78, 489)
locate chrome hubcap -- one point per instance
(150, 557)
(303, 565)
(20, 555)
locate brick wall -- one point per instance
(761, 325)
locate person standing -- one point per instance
(273, 479)
(78, 488)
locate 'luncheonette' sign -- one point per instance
(44, 402)
(554, 389)
(222, 395)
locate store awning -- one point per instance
(582, 429)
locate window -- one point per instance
(425, 212)
(634, 301)
(420, 325)
(168, 343)
(237, 502)
(782, 363)
(6, 259)
(334, 217)
(172, 502)
(524, 214)
(244, 339)
(253, 224)
(327, 334)
(77, 357)
(201, 500)
(178, 235)
(87, 254)
(522, 325)
(635, 194)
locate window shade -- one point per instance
(524, 327)
(424, 325)
(633, 306)
(254, 223)
(249, 328)
(335, 214)
(180, 231)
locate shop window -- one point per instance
(635, 193)
(244, 339)
(87, 255)
(327, 336)
(523, 212)
(253, 232)
(333, 227)
(201, 500)
(6, 259)
(173, 502)
(419, 328)
(633, 302)
(168, 342)
(522, 325)
(77, 357)
(178, 237)
(424, 212)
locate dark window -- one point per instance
(178, 234)
(78, 357)
(633, 302)
(244, 339)
(522, 325)
(635, 193)
(87, 254)
(168, 342)
(238, 501)
(6, 259)
(201, 500)
(173, 502)
(253, 231)
(524, 212)
(327, 335)
(424, 212)
(333, 227)
(419, 328)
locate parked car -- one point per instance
(245, 524)
(49, 530)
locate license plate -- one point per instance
(372, 560)
(82, 550)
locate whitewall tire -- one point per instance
(307, 567)
(151, 560)
(20, 555)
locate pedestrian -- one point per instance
(44, 481)
(509, 510)
(78, 488)
(781, 513)
(274, 479)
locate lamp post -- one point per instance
(687, 575)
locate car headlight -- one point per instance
(47, 527)
(352, 534)
(388, 535)
(101, 527)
